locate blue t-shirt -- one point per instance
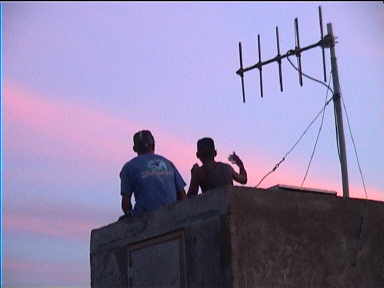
(153, 180)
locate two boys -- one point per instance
(155, 181)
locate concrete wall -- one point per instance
(298, 239)
(182, 245)
(245, 237)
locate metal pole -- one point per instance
(338, 114)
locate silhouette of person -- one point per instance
(213, 174)
(153, 179)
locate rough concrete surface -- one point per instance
(245, 237)
(298, 239)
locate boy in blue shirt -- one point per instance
(153, 179)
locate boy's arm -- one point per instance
(126, 192)
(181, 195)
(194, 185)
(126, 205)
(240, 177)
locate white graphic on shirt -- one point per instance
(156, 168)
(157, 165)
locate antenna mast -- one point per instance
(327, 41)
(338, 114)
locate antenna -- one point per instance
(260, 66)
(240, 71)
(327, 41)
(324, 42)
(322, 46)
(297, 51)
(279, 59)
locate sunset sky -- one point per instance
(79, 79)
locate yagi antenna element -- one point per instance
(325, 42)
(322, 46)
(278, 57)
(297, 51)
(240, 71)
(260, 66)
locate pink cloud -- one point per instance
(97, 139)
(72, 221)
(79, 130)
(50, 226)
(32, 273)
(102, 141)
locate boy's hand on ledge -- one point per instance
(125, 216)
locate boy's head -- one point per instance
(206, 149)
(143, 142)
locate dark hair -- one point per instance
(206, 148)
(143, 141)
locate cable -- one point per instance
(297, 142)
(310, 77)
(330, 89)
(363, 215)
(337, 129)
(337, 133)
(270, 172)
(306, 129)
(317, 137)
(354, 147)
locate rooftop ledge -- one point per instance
(245, 237)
